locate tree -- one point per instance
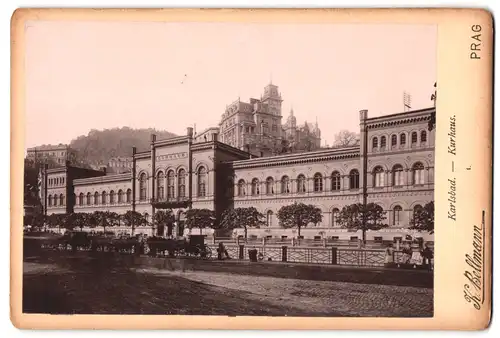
(74, 220)
(163, 217)
(54, 220)
(200, 218)
(346, 138)
(423, 219)
(38, 220)
(242, 218)
(68, 221)
(105, 219)
(133, 219)
(299, 215)
(358, 217)
(114, 219)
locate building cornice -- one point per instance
(172, 141)
(143, 155)
(103, 179)
(400, 118)
(299, 158)
(57, 170)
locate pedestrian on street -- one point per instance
(427, 255)
(407, 254)
(221, 250)
(389, 255)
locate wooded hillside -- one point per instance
(100, 145)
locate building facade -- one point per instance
(257, 127)
(120, 165)
(58, 154)
(393, 167)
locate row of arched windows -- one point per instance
(335, 183)
(170, 183)
(300, 184)
(395, 219)
(402, 139)
(398, 175)
(55, 200)
(55, 181)
(102, 198)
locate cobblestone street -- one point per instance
(85, 286)
(321, 297)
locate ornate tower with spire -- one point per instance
(272, 97)
(256, 125)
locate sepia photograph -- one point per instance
(229, 168)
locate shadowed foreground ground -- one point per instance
(96, 286)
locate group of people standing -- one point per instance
(413, 253)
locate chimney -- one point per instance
(134, 151)
(363, 114)
(214, 137)
(189, 132)
(153, 138)
(261, 154)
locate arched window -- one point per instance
(129, 195)
(269, 186)
(202, 182)
(255, 187)
(354, 179)
(241, 188)
(378, 177)
(398, 175)
(335, 181)
(49, 200)
(61, 199)
(394, 140)
(416, 210)
(301, 183)
(318, 182)
(375, 142)
(269, 218)
(418, 173)
(142, 187)
(160, 185)
(120, 196)
(112, 197)
(285, 185)
(182, 183)
(414, 138)
(396, 217)
(423, 136)
(89, 199)
(104, 198)
(96, 198)
(383, 142)
(335, 216)
(170, 184)
(402, 139)
(80, 199)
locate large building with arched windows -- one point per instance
(393, 166)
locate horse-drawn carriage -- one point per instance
(81, 240)
(194, 247)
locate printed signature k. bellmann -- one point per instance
(474, 274)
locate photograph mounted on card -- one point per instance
(274, 168)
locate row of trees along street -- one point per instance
(297, 215)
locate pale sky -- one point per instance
(97, 75)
